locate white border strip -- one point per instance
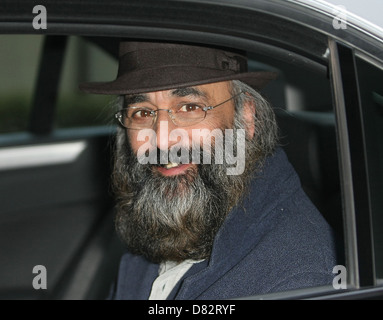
(39, 155)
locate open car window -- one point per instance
(57, 211)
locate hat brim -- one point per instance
(169, 78)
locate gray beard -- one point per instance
(176, 217)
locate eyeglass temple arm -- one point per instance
(220, 104)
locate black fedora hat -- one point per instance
(155, 66)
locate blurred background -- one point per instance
(19, 56)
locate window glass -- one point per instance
(84, 62)
(371, 90)
(306, 122)
(19, 59)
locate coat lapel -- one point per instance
(136, 277)
(243, 228)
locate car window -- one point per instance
(84, 61)
(19, 58)
(304, 109)
(371, 92)
(20, 63)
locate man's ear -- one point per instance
(249, 110)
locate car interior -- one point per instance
(59, 213)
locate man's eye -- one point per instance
(190, 107)
(141, 113)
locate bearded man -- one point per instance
(208, 205)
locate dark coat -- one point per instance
(276, 241)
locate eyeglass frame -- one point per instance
(118, 114)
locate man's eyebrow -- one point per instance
(135, 98)
(189, 91)
(130, 99)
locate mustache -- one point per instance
(231, 154)
(178, 155)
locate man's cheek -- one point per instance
(206, 140)
(235, 151)
(146, 143)
(179, 152)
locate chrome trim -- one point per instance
(353, 20)
(369, 59)
(40, 155)
(345, 170)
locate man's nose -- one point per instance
(163, 127)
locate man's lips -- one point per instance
(172, 169)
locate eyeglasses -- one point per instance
(182, 115)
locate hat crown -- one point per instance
(152, 66)
(156, 57)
